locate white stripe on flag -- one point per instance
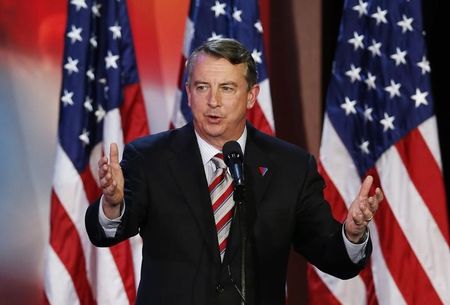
(349, 292)
(136, 252)
(110, 289)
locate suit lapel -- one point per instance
(190, 176)
(259, 170)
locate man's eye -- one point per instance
(227, 89)
(201, 88)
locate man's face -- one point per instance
(219, 99)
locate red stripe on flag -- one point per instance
(426, 176)
(400, 258)
(258, 119)
(133, 113)
(319, 294)
(66, 243)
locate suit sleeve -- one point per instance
(136, 202)
(318, 236)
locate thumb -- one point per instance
(114, 153)
(365, 187)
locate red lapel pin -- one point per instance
(262, 170)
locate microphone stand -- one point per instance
(239, 199)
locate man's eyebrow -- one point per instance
(230, 83)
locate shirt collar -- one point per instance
(207, 151)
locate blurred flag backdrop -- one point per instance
(100, 103)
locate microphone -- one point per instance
(234, 159)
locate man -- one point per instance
(164, 189)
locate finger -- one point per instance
(103, 170)
(105, 181)
(102, 160)
(379, 194)
(365, 187)
(358, 217)
(114, 153)
(373, 204)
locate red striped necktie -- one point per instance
(221, 191)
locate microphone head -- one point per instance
(232, 150)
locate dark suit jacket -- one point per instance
(168, 204)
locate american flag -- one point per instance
(379, 120)
(100, 103)
(210, 19)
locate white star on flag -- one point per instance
(374, 48)
(393, 89)
(90, 74)
(111, 60)
(66, 99)
(405, 24)
(368, 113)
(357, 41)
(353, 73)
(75, 34)
(71, 65)
(420, 98)
(257, 56)
(424, 65)
(380, 16)
(100, 113)
(115, 29)
(93, 41)
(387, 122)
(361, 8)
(219, 9)
(214, 36)
(237, 15)
(364, 146)
(399, 57)
(79, 4)
(96, 10)
(349, 106)
(258, 26)
(88, 104)
(370, 81)
(84, 137)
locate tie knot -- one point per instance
(218, 161)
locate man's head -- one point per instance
(221, 87)
(229, 49)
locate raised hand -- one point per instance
(112, 182)
(362, 210)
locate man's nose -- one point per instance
(214, 98)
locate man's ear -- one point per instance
(252, 95)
